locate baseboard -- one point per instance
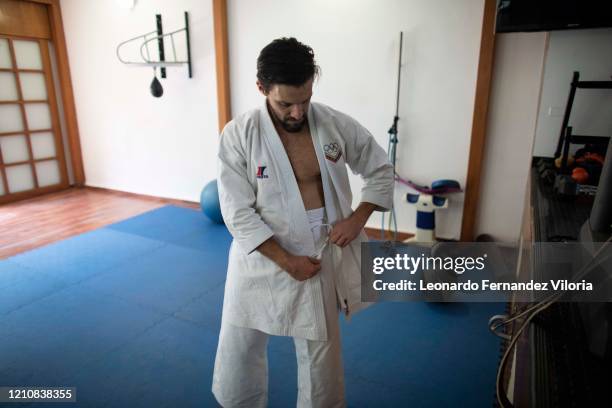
(180, 203)
(374, 233)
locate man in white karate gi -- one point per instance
(294, 262)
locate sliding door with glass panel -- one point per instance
(31, 151)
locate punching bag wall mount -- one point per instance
(145, 56)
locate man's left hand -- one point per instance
(345, 231)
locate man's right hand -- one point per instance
(301, 267)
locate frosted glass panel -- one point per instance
(38, 116)
(33, 86)
(19, 178)
(43, 145)
(5, 54)
(1, 187)
(14, 149)
(48, 173)
(8, 87)
(27, 54)
(10, 118)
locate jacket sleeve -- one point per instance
(366, 158)
(237, 196)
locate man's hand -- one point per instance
(345, 231)
(301, 267)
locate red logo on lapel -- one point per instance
(260, 172)
(332, 152)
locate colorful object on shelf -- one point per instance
(580, 175)
(594, 157)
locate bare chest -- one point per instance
(302, 155)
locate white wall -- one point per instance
(511, 125)
(355, 43)
(130, 140)
(590, 53)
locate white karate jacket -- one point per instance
(260, 198)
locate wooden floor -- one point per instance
(39, 221)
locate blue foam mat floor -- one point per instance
(130, 314)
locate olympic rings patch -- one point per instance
(332, 151)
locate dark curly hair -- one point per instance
(286, 61)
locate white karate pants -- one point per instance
(240, 376)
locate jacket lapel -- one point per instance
(329, 194)
(333, 164)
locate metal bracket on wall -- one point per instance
(158, 35)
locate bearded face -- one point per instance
(288, 104)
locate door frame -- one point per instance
(65, 89)
(479, 122)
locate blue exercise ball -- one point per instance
(209, 202)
